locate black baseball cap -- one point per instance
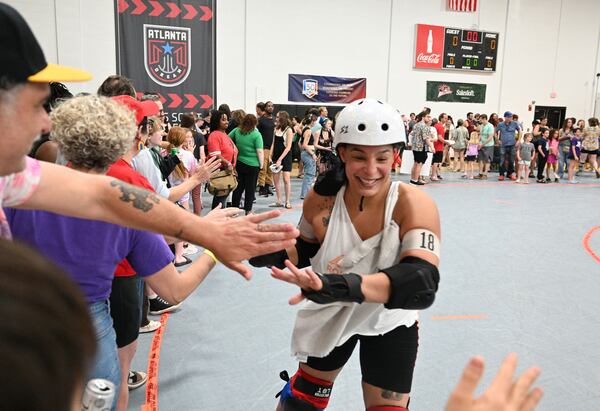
(22, 57)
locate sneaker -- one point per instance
(189, 250)
(548, 180)
(136, 379)
(478, 177)
(597, 174)
(573, 182)
(500, 178)
(556, 180)
(159, 306)
(484, 176)
(150, 327)
(413, 182)
(421, 183)
(531, 174)
(463, 176)
(513, 177)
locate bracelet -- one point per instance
(211, 255)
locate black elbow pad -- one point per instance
(305, 251)
(414, 283)
(331, 181)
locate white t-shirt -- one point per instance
(190, 163)
(319, 328)
(144, 164)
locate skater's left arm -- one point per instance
(410, 284)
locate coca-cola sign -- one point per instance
(428, 59)
(429, 46)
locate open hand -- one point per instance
(223, 214)
(207, 169)
(504, 393)
(236, 239)
(304, 278)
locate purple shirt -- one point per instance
(89, 251)
(575, 142)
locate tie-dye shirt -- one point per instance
(15, 189)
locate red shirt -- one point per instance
(123, 171)
(437, 144)
(219, 143)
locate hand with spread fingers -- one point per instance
(223, 214)
(207, 169)
(504, 394)
(304, 278)
(236, 239)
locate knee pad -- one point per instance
(303, 392)
(387, 408)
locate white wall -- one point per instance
(79, 33)
(259, 42)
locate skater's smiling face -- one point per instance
(367, 167)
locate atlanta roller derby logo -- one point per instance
(167, 54)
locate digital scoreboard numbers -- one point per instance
(448, 48)
(470, 50)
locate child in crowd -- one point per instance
(472, 149)
(524, 156)
(178, 138)
(541, 149)
(574, 155)
(552, 161)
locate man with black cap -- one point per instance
(507, 131)
(24, 182)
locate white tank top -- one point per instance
(320, 328)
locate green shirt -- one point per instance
(247, 144)
(486, 132)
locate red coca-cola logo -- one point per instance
(429, 59)
(429, 46)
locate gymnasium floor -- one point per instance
(520, 272)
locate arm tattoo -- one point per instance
(141, 199)
(391, 395)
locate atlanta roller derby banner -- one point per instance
(168, 47)
(320, 89)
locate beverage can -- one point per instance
(99, 395)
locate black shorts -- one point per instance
(126, 309)
(471, 158)
(590, 152)
(420, 156)
(386, 361)
(437, 157)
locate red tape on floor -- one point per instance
(586, 243)
(153, 361)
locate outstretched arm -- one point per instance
(410, 284)
(65, 191)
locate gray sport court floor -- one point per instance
(514, 277)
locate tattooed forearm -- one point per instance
(391, 395)
(141, 199)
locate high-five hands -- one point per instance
(505, 393)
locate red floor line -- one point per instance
(586, 243)
(153, 362)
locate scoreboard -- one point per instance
(470, 50)
(449, 48)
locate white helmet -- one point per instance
(369, 122)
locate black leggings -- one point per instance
(541, 164)
(247, 177)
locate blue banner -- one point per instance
(321, 89)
